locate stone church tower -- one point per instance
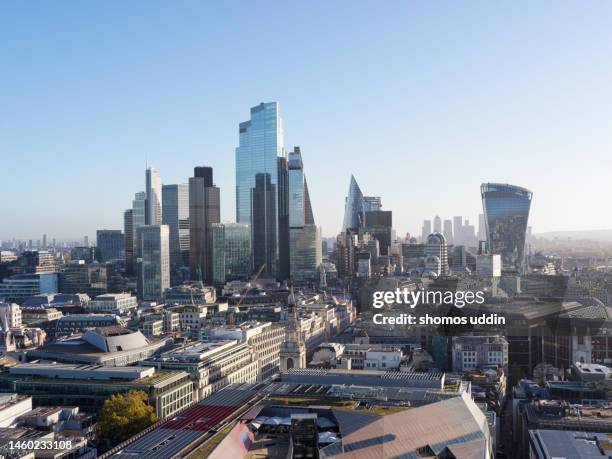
(292, 351)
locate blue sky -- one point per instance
(422, 101)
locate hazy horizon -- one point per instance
(421, 102)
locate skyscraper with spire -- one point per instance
(153, 209)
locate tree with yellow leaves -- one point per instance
(124, 415)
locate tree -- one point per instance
(124, 415)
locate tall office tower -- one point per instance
(260, 146)
(153, 261)
(110, 245)
(437, 224)
(128, 231)
(305, 240)
(448, 231)
(153, 213)
(175, 214)
(469, 234)
(204, 211)
(346, 248)
(436, 254)
(354, 207)
(426, 230)
(482, 231)
(232, 254)
(85, 241)
(265, 237)
(506, 210)
(139, 205)
(374, 248)
(44, 241)
(379, 223)
(458, 230)
(372, 203)
(283, 219)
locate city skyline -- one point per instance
(418, 112)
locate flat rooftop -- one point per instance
(364, 377)
(196, 352)
(68, 371)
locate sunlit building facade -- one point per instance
(232, 255)
(506, 209)
(304, 237)
(153, 214)
(153, 261)
(354, 207)
(175, 214)
(260, 146)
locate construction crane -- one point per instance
(249, 286)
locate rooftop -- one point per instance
(550, 444)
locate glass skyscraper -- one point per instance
(304, 238)
(153, 261)
(110, 245)
(232, 254)
(506, 211)
(175, 214)
(260, 146)
(306, 253)
(265, 229)
(354, 207)
(153, 214)
(296, 189)
(139, 205)
(128, 230)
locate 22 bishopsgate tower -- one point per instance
(257, 182)
(272, 198)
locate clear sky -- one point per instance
(422, 101)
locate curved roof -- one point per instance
(505, 188)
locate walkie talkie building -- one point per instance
(506, 209)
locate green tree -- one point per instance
(124, 415)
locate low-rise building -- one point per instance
(547, 444)
(557, 415)
(79, 323)
(113, 303)
(107, 346)
(211, 364)
(19, 287)
(153, 328)
(364, 378)
(32, 316)
(473, 352)
(12, 406)
(88, 386)
(190, 293)
(264, 338)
